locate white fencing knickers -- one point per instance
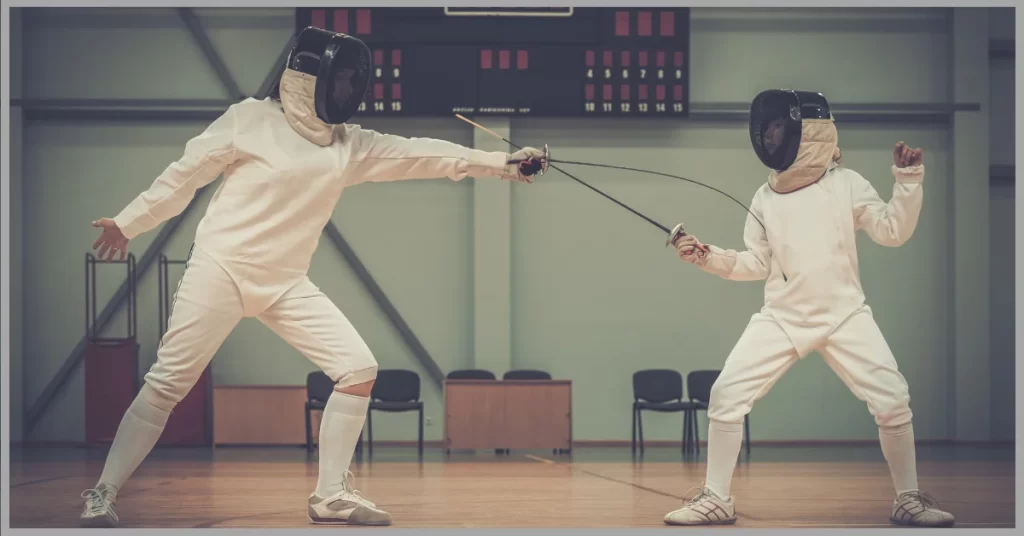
(856, 351)
(208, 305)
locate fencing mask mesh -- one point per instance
(341, 65)
(794, 134)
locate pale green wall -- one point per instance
(594, 295)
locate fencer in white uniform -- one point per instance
(801, 239)
(285, 161)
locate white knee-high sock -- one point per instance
(138, 432)
(724, 442)
(339, 432)
(901, 454)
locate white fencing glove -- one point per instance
(524, 164)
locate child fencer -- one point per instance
(801, 239)
(285, 161)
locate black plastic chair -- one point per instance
(471, 374)
(526, 375)
(699, 384)
(660, 390)
(319, 387)
(395, 391)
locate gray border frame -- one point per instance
(5, 232)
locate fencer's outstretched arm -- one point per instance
(204, 158)
(889, 224)
(385, 157)
(754, 264)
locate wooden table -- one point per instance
(508, 414)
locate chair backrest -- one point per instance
(471, 374)
(319, 386)
(396, 385)
(657, 385)
(699, 383)
(524, 374)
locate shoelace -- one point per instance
(924, 498)
(95, 501)
(701, 496)
(346, 484)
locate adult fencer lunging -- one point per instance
(811, 209)
(285, 161)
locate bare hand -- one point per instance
(690, 249)
(110, 241)
(903, 156)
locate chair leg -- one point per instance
(746, 432)
(686, 430)
(309, 430)
(696, 432)
(369, 430)
(633, 440)
(420, 444)
(640, 428)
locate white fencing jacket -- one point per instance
(811, 238)
(279, 190)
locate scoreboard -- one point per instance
(525, 62)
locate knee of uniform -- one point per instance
(364, 374)
(724, 406)
(894, 413)
(160, 394)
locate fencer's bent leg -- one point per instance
(760, 357)
(313, 325)
(207, 306)
(858, 353)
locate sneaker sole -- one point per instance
(731, 521)
(100, 522)
(325, 521)
(907, 523)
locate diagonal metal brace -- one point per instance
(71, 363)
(382, 300)
(275, 73)
(191, 21)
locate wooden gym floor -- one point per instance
(593, 487)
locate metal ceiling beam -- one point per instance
(1002, 49)
(385, 304)
(195, 26)
(72, 361)
(724, 112)
(1003, 174)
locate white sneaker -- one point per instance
(347, 507)
(920, 510)
(704, 509)
(99, 508)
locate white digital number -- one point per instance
(590, 73)
(607, 106)
(607, 73)
(677, 107)
(660, 107)
(679, 74)
(362, 106)
(589, 107)
(396, 73)
(396, 106)
(643, 106)
(378, 106)
(661, 74)
(625, 74)
(378, 73)
(643, 73)
(625, 107)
